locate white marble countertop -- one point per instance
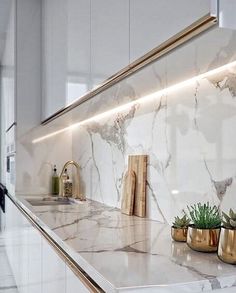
(129, 254)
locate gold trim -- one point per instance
(78, 271)
(188, 33)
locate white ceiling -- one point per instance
(5, 6)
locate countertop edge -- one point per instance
(82, 263)
(104, 283)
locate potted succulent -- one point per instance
(180, 228)
(203, 234)
(227, 242)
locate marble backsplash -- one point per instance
(188, 134)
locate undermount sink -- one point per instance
(50, 201)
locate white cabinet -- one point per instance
(78, 50)
(35, 264)
(7, 74)
(54, 55)
(53, 270)
(73, 283)
(16, 237)
(153, 22)
(109, 38)
(86, 42)
(34, 261)
(227, 14)
(22, 253)
(7, 93)
(66, 53)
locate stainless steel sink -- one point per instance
(50, 201)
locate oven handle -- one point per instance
(3, 192)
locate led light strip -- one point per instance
(140, 100)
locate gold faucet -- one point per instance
(77, 194)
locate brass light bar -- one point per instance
(183, 36)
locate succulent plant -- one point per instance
(229, 221)
(205, 216)
(181, 222)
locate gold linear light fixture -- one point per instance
(196, 28)
(141, 100)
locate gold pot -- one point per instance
(179, 234)
(227, 246)
(205, 240)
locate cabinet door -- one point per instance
(54, 55)
(153, 22)
(73, 283)
(78, 51)
(109, 38)
(7, 76)
(16, 237)
(9, 231)
(7, 93)
(35, 261)
(53, 270)
(66, 53)
(22, 253)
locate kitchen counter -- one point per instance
(128, 254)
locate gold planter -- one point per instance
(227, 246)
(204, 240)
(179, 234)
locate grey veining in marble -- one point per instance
(188, 134)
(123, 253)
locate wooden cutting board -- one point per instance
(138, 164)
(127, 205)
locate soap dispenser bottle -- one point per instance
(55, 182)
(68, 187)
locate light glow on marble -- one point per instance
(141, 100)
(175, 191)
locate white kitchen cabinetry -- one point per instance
(66, 52)
(16, 238)
(53, 270)
(78, 50)
(109, 38)
(35, 261)
(35, 264)
(73, 283)
(54, 20)
(7, 75)
(153, 22)
(23, 253)
(86, 42)
(7, 93)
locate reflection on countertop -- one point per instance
(121, 252)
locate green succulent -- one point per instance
(205, 216)
(181, 222)
(229, 221)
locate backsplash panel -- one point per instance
(188, 134)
